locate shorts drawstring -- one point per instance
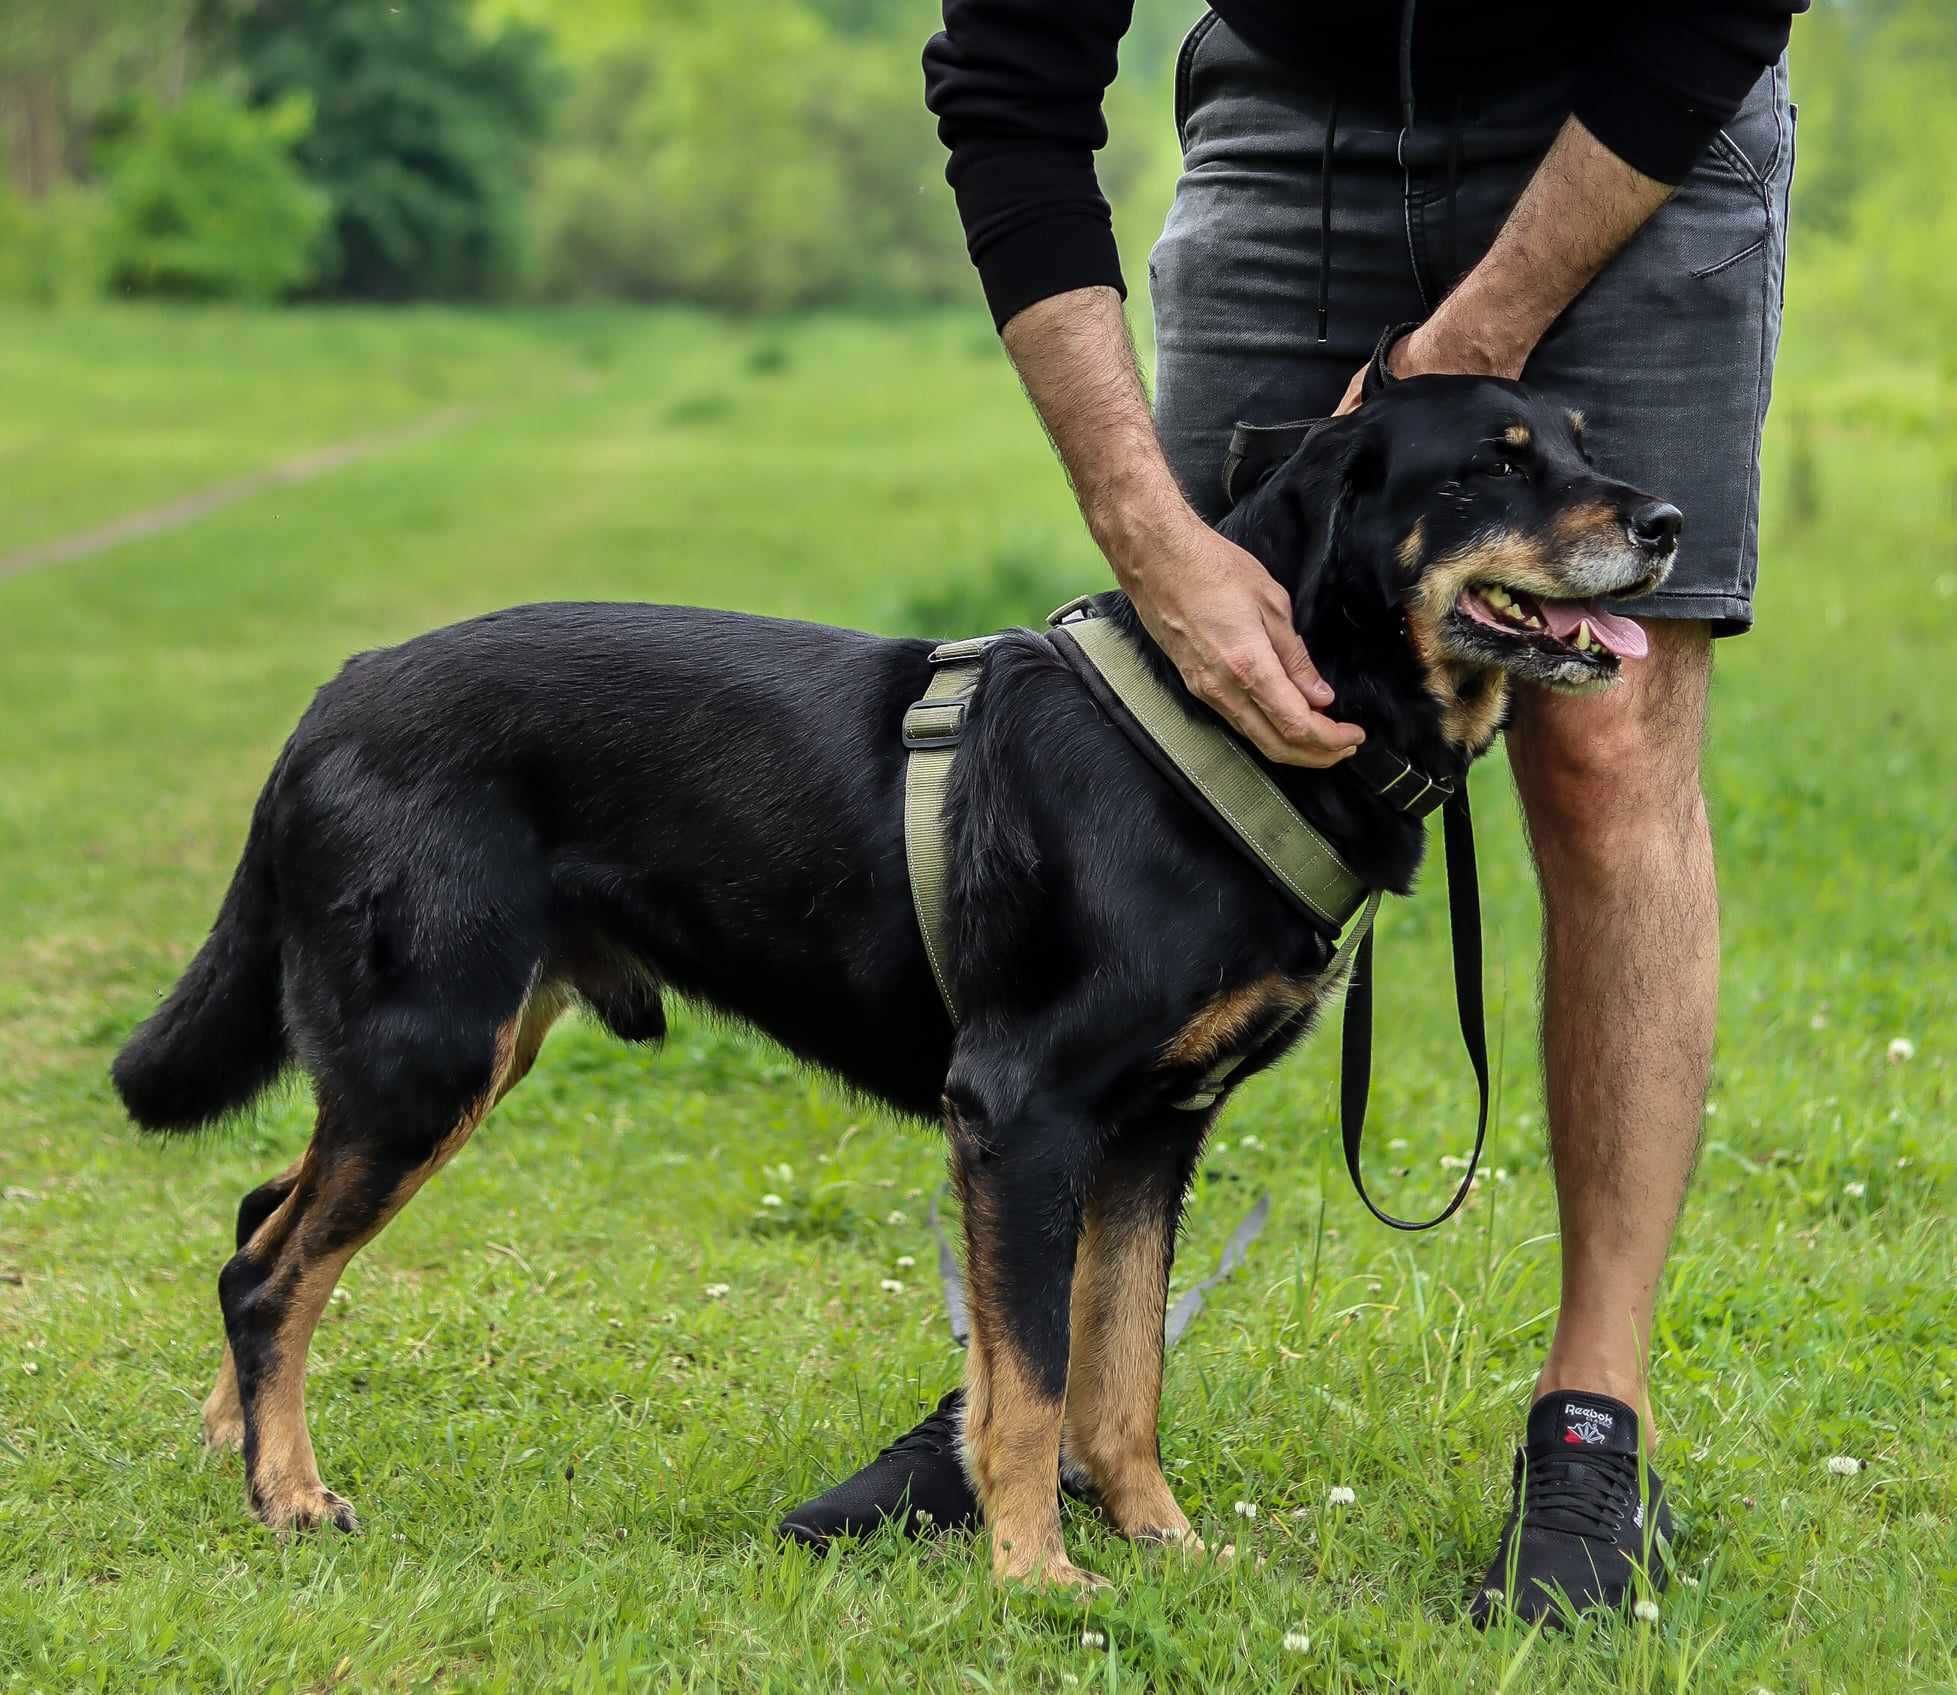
(1406, 119)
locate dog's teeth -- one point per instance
(1582, 643)
(1514, 612)
(1534, 622)
(1498, 597)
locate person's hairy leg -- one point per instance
(1617, 821)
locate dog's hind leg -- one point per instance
(224, 1414)
(1020, 1180)
(370, 1152)
(1121, 1287)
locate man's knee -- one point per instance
(1596, 771)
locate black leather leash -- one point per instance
(1356, 1046)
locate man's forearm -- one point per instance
(1582, 205)
(1074, 355)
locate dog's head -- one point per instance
(1466, 511)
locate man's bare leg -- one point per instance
(1617, 821)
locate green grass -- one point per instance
(568, 1457)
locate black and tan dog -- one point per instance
(594, 805)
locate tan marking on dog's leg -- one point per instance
(224, 1414)
(283, 1474)
(1011, 1436)
(1114, 1377)
(1012, 1449)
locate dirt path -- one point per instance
(175, 514)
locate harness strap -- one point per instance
(1231, 783)
(932, 727)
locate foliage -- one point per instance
(51, 248)
(206, 203)
(422, 136)
(776, 165)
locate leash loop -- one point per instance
(1356, 1044)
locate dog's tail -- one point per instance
(219, 1039)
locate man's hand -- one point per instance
(1227, 625)
(1214, 609)
(1577, 211)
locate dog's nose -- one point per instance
(1655, 526)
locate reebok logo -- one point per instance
(1585, 1427)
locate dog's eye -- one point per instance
(1498, 465)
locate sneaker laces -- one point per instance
(1588, 1493)
(936, 1434)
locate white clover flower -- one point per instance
(897, 1216)
(1901, 1050)
(1250, 1141)
(1296, 1642)
(1093, 1639)
(1246, 1509)
(1646, 1611)
(1844, 1465)
(30, 1368)
(1399, 1144)
(716, 1290)
(1686, 1578)
(1501, 1174)
(891, 1286)
(1818, 1022)
(1219, 1147)
(1855, 1191)
(771, 1200)
(1340, 1496)
(906, 1261)
(785, 1172)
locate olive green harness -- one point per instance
(1227, 781)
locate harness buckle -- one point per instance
(930, 724)
(1072, 613)
(961, 652)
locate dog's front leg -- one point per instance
(1121, 1293)
(1020, 1179)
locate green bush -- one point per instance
(51, 250)
(206, 203)
(781, 164)
(422, 136)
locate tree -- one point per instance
(422, 135)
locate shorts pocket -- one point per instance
(1192, 44)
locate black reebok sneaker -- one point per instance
(1578, 1532)
(919, 1480)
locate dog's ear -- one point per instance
(1295, 519)
(1379, 370)
(1346, 464)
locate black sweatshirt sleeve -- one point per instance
(1666, 79)
(1017, 87)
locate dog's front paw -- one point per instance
(306, 1507)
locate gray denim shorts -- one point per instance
(1669, 353)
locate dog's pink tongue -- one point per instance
(1621, 636)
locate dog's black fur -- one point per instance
(610, 802)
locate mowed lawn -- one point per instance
(567, 1453)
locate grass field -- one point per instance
(567, 1455)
